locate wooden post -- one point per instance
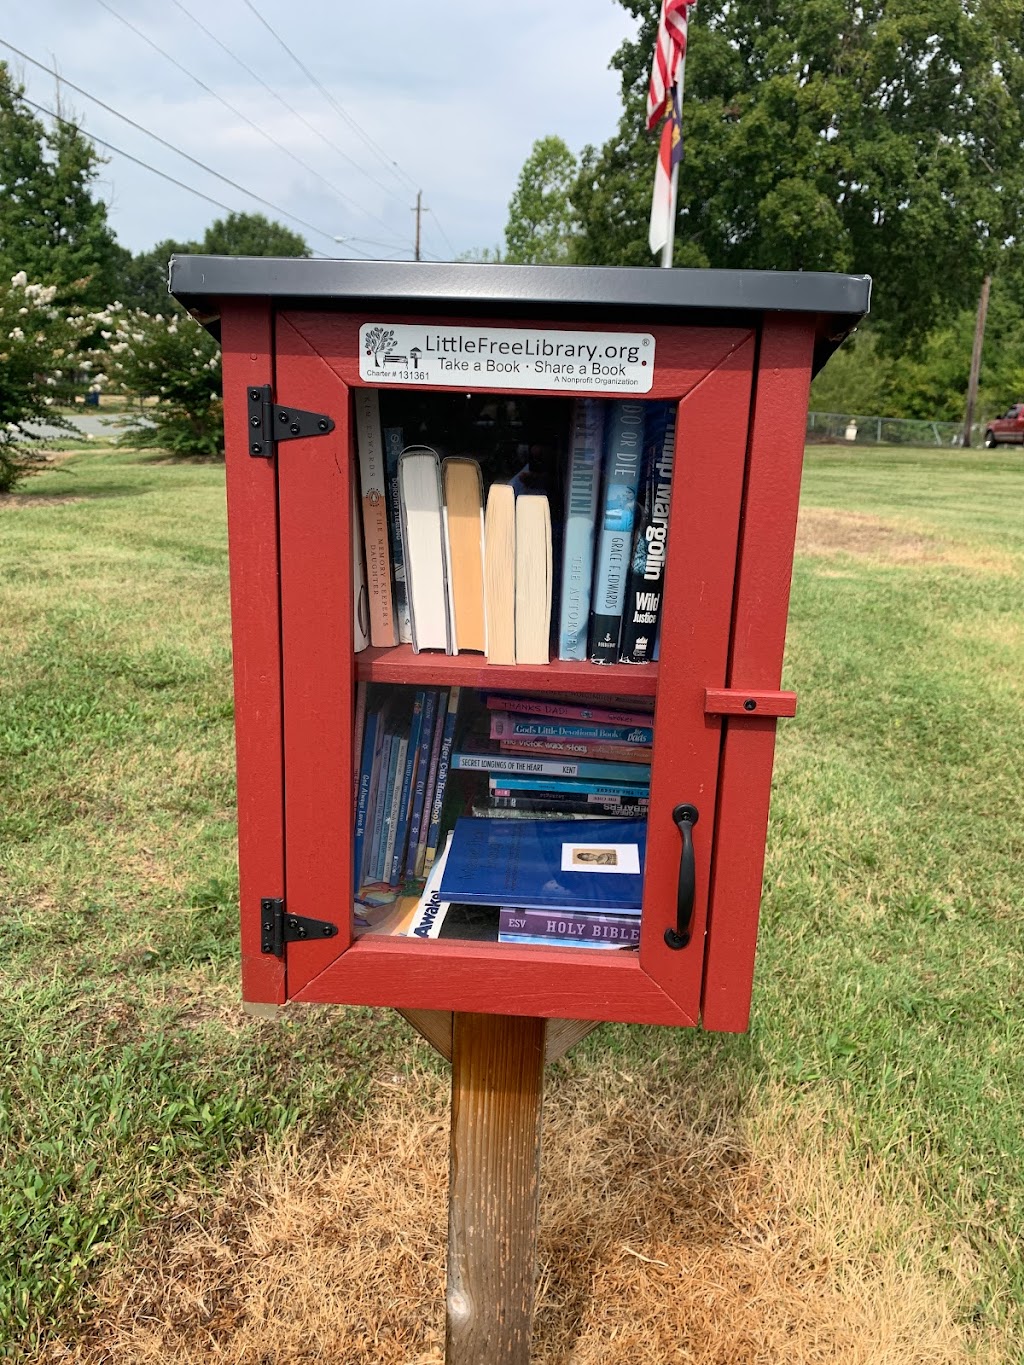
(497, 1088)
(979, 341)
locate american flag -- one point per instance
(669, 51)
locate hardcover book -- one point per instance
(567, 805)
(437, 918)
(464, 531)
(397, 865)
(419, 484)
(538, 706)
(391, 816)
(624, 445)
(506, 784)
(440, 786)
(372, 481)
(546, 865)
(507, 726)
(526, 766)
(578, 748)
(645, 583)
(393, 445)
(428, 795)
(419, 797)
(571, 926)
(581, 495)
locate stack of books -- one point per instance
(462, 555)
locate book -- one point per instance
(581, 493)
(538, 706)
(392, 814)
(483, 811)
(624, 446)
(546, 865)
(539, 941)
(394, 443)
(419, 796)
(437, 805)
(375, 817)
(436, 918)
(428, 794)
(358, 725)
(500, 573)
(526, 766)
(370, 750)
(360, 599)
(463, 489)
(419, 491)
(533, 579)
(397, 866)
(578, 748)
(569, 804)
(376, 542)
(507, 784)
(646, 578)
(505, 725)
(572, 926)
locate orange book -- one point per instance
(376, 542)
(464, 529)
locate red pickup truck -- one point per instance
(1008, 429)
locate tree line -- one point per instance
(882, 137)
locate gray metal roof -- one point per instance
(614, 292)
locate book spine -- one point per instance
(375, 821)
(528, 706)
(552, 767)
(574, 925)
(358, 725)
(623, 453)
(392, 816)
(363, 796)
(443, 764)
(506, 785)
(484, 812)
(505, 726)
(372, 480)
(420, 789)
(581, 748)
(428, 795)
(360, 601)
(397, 865)
(628, 810)
(393, 445)
(645, 586)
(580, 515)
(539, 941)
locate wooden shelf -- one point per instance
(401, 665)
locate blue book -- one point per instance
(394, 444)
(506, 782)
(504, 726)
(406, 797)
(624, 448)
(437, 805)
(422, 770)
(396, 767)
(363, 798)
(581, 492)
(525, 765)
(641, 613)
(546, 865)
(375, 819)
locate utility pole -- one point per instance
(418, 210)
(979, 341)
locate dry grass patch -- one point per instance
(826, 531)
(669, 1234)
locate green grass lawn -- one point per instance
(888, 995)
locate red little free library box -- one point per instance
(735, 350)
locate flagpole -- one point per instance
(673, 194)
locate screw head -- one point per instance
(282, 417)
(256, 448)
(254, 394)
(254, 421)
(295, 428)
(322, 424)
(750, 704)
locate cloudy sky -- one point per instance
(443, 95)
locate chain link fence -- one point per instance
(845, 428)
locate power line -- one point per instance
(226, 103)
(284, 103)
(374, 147)
(249, 194)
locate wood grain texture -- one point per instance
(433, 1025)
(497, 1092)
(771, 499)
(255, 642)
(563, 1034)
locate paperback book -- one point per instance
(624, 445)
(645, 584)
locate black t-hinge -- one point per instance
(269, 422)
(277, 928)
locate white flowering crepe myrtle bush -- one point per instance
(175, 364)
(42, 360)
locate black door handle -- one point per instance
(685, 817)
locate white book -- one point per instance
(419, 486)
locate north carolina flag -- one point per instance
(670, 153)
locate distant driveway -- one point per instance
(95, 424)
